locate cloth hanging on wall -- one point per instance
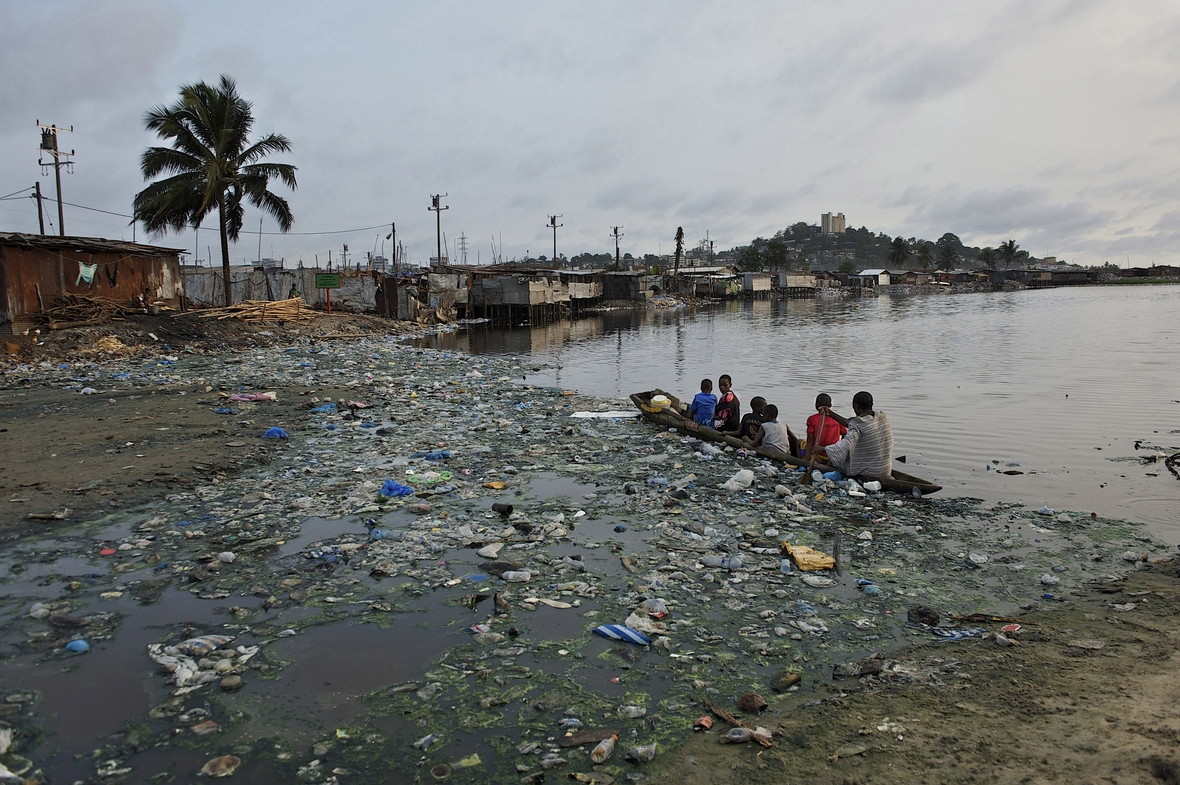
(85, 273)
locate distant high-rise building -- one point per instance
(832, 223)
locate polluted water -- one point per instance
(413, 578)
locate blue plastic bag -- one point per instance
(275, 433)
(619, 632)
(391, 488)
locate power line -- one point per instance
(96, 210)
(244, 231)
(14, 193)
(338, 231)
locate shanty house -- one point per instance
(870, 278)
(36, 270)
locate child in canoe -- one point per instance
(832, 430)
(726, 417)
(704, 405)
(748, 427)
(774, 434)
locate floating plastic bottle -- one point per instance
(604, 750)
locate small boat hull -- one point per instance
(674, 416)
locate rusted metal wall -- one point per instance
(30, 277)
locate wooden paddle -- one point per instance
(814, 450)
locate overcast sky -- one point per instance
(1054, 123)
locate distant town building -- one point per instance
(832, 223)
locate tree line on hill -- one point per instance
(801, 246)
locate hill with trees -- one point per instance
(803, 246)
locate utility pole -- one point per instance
(49, 145)
(260, 242)
(392, 236)
(40, 214)
(617, 234)
(554, 225)
(437, 209)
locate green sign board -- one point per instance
(327, 280)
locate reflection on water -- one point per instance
(1059, 381)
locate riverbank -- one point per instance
(360, 623)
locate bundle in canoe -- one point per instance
(674, 416)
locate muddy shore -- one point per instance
(351, 617)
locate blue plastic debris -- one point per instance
(78, 646)
(958, 635)
(392, 488)
(621, 528)
(225, 410)
(618, 632)
(274, 433)
(327, 408)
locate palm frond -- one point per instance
(159, 160)
(273, 143)
(274, 205)
(283, 172)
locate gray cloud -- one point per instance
(1036, 119)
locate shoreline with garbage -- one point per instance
(640, 582)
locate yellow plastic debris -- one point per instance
(808, 558)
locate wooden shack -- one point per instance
(523, 297)
(36, 270)
(756, 285)
(630, 285)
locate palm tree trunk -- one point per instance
(229, 286)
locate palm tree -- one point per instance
(925, 258)
(1008, 252)
(211, 166)
(899, 252)
(987, 258)
(947, 258)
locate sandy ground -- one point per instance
(75, 456)
(1041, 711)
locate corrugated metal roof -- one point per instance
(84, 244)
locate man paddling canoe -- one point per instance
(867, 448)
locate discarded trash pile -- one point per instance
(595, 585)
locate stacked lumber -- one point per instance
(82, 308)
(291, 310)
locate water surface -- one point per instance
(1059, 384)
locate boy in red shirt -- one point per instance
(832, 429)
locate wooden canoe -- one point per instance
(675, 416)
